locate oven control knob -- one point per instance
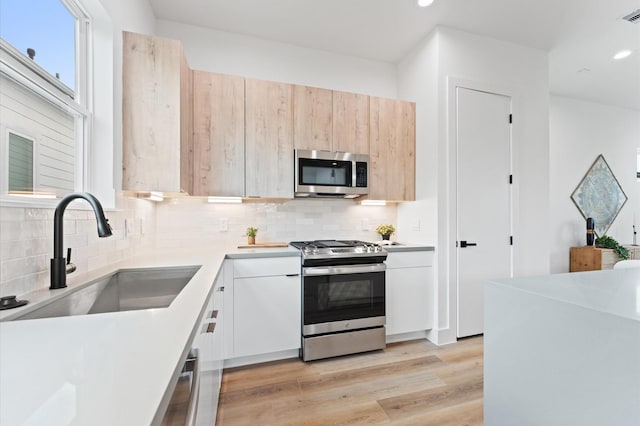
(310, 250)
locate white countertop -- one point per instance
(563, 349)
(104, 369)
(615, 292)
(402, 247)
(111, 368)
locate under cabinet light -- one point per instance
(224, 200)
(374, 203)
(156, 196)
(424, 3)
(151, 196)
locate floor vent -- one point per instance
(633, 17)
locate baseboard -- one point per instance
(444, 336)
(256, 359)
(402, 337)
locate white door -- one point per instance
(483, 200)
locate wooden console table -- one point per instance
(588, 258)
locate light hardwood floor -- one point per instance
(408, 383)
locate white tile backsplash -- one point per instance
(196, 222)
(26, 241)
(26, 234)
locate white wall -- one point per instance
(579, 132)
(418, 82)
(246, 56)
(486, 64)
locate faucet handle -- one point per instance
(71, 267)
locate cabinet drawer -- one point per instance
(266, 267)
(409, 259)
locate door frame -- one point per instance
(452, 181)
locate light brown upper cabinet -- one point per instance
(268, 139)
(156, 115)
(218, 134)
(350, 123)
(392, 150)
(312, 118)
(330, 120)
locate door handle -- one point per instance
(464, 244)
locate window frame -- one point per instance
(77, 102)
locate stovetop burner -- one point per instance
(328, 243)
(336, 249)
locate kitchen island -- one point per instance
(563, 349)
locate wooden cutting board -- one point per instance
(263, 245)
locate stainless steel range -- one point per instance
(343, 297)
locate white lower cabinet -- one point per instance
(409, 292)
(266, 306)
(209, 342)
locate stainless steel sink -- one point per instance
(125, 290)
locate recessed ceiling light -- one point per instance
(424, 3)
(622, 54)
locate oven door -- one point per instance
(340, 298)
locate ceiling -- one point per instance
(581, 36)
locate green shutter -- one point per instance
(20, 163)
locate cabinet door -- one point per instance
(266, 315)
(186, 127)
(312, 118)
(409, 300)
(153, 124)
(350, 123)
(269, 155)
(218, 143)
(208, 341)
(392, 145)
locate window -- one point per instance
(20, 163)
(44, 93)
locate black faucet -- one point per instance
(59, 263)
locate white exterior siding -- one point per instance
(52, 129)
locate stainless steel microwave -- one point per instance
(330, 174)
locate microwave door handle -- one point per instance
(354, 174)
(343, 270)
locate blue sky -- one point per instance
(45, 26)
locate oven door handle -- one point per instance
(343, 270)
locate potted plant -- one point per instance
(385, 231)
(251, 235)
(607, 242)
